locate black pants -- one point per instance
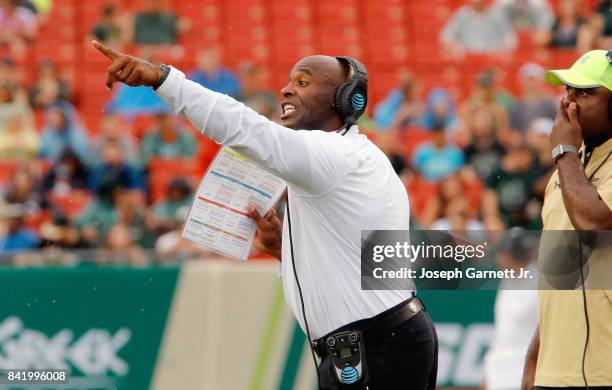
(403, 357)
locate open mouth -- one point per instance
(288, 109)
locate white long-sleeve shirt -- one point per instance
(337, 186)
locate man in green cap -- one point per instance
(572, 347)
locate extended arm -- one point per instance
(306, 159)
(282, 151)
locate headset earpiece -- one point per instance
(351, 97)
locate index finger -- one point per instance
(107, 51)
(572, 115)
(270, 215)
(562, 109)
(254, 214)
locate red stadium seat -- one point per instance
(162, 171)
(421, 192)
(72, 203)
(412, 138)
(35, 221)
(7, 168)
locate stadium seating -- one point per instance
(385, 35)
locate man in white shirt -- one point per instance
(338, 183)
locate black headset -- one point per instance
(352, 96)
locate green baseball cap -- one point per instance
(591, 70)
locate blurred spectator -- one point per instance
(538, 139)
(115, 169)
(210, 74)
(28, 5)
(18, 138)
(440, 109)
(390, 143)
(96, 220)
(535, 16)
(38, 6)
(516, 313)
(61, 233)
(454, 186)
(167, 140)
(55, 236)
(155, 25)
(493, 78)
(66, 175)
(254, 93)
(484, 153)
(402, 107)
(137, 100)
(170, 213)
(48, 88)
(113, 128)
(600, 27)
(111, 29)
(484, 96)
(478, 28)
(62, 132)
(456, 217)
(510, 189)
(437, 158)
(8, 72)
(172, 247)
(22, 190)
(122, 248)
(169, 216)
(17, 236)
(114, 203)
(535, 100)
(569, 30)
(18, 26)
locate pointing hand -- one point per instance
(127, 69)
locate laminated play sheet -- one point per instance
(218, 217)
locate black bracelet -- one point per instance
(165, 72)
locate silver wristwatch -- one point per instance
(560, 150)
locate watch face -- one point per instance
(559, 150)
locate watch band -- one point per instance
(561, 149)
(165, 72)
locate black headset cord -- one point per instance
(297, 281)
(583, 288)
(586, 316)
(347, 127)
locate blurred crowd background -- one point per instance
(457, 101)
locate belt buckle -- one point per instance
(413, 306)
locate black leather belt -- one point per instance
(385, 320)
